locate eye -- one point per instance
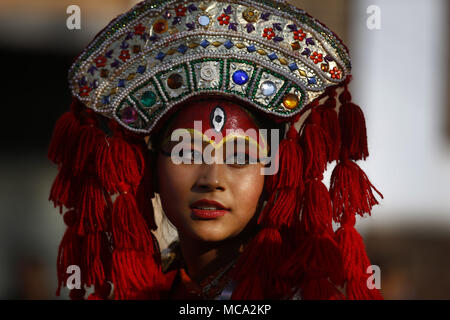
(189, 155)
(240, 159)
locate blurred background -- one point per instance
(401, 81)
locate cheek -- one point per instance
(174, 192)
(247, 188)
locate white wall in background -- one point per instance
(399, 81)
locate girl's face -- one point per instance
(236, 187)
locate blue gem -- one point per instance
(272, 56)
(228, 44)
(312, 80)
(240, 77)
(141, 69)
(121, 83)
(251, 48)
(204, 43)
(293, 66)
(160, 56)
(105, 100)
(182, 48)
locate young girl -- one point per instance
(172, 98)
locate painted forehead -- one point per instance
(217, 118)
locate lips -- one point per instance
(208, 209)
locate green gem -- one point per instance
(148, 98)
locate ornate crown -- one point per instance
(268, 53)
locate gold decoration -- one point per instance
(240, 45)
(302, 72)
(261, 52)
(290, 101)
(217, 44)
(171, 52)
(250, 15)
(283, 61)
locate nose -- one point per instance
(211, 178)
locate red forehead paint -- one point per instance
(216, 116)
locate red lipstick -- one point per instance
(208, 209)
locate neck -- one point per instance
(204, 258)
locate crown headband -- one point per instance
(269, 54)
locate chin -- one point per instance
(208, 233)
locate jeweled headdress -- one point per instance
(272, 57)
(267, 53)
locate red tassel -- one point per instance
(129, 229)
(89, 139)
(353, 253)
(65, 135)
(353, 129)
(351, 191)
(119, 161)
(95, 250)
(316, 209)
(330, 123)
(65, 190)
(315, 145)
(135, 273)
(317, 254)
(264, 252)
(145, 192)
(93, 208)
(69, 251)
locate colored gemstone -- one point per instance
(283, 61)
(121, 83)
(204, 43)
(324, 67)
(141, 69)
(228, 44)
(175, 81)
(250, 15)
(160, 26)
(262, 52)
(251, 48)
(217, 43)
(204, 20)
(136, 49)
(295, 45)
(290, 101)
(312, 80)
(272, 56)
(293, 66)
(182, 48)
(105, 100)
(240, 77)
(160, 56)
(129, 115)
(148, 98)
(302, 72)
(268, 88)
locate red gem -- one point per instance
(160, 26)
